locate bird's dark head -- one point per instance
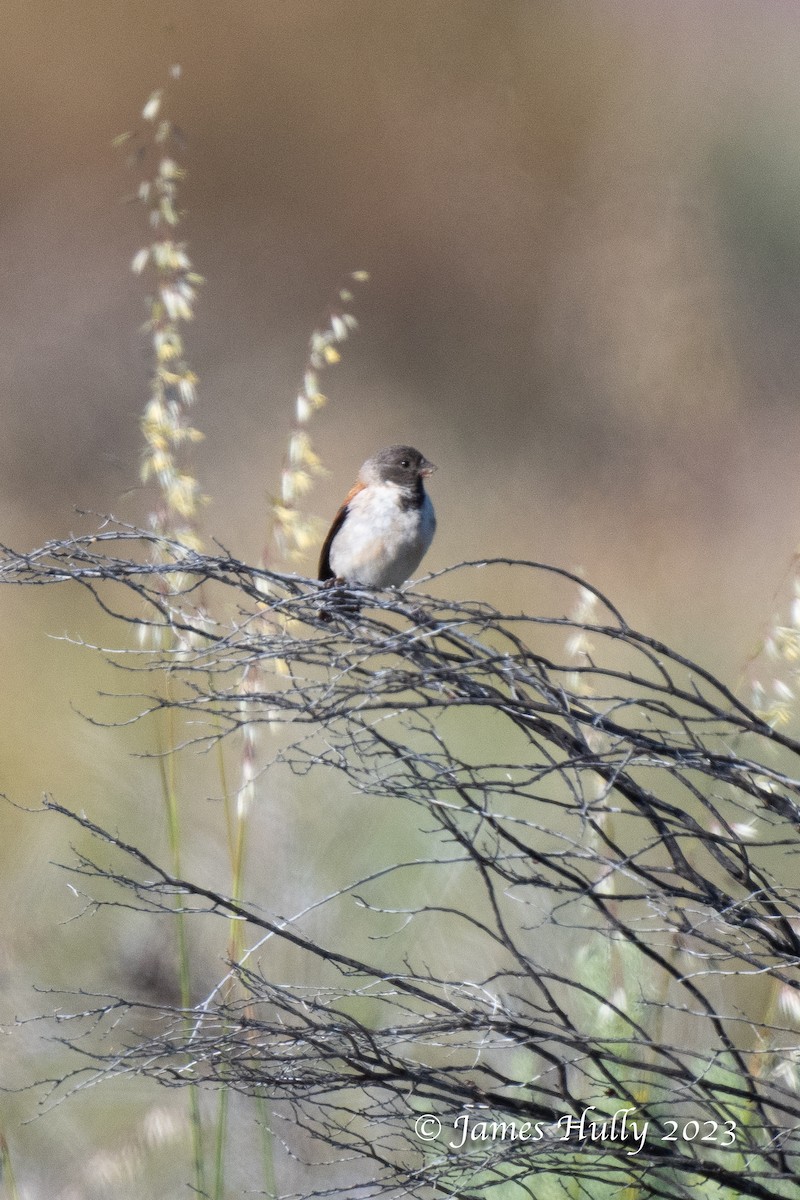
(401, 465)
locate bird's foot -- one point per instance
(342, 604)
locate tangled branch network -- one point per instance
(590, 976)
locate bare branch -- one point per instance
(557, 984)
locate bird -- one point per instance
(382, 531)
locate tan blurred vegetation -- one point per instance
(581, 223)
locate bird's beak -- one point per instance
(427, 469)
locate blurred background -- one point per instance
(581, 222)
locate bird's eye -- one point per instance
(404, 462)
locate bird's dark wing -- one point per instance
(324, 571)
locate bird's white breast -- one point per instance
(380, 543)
